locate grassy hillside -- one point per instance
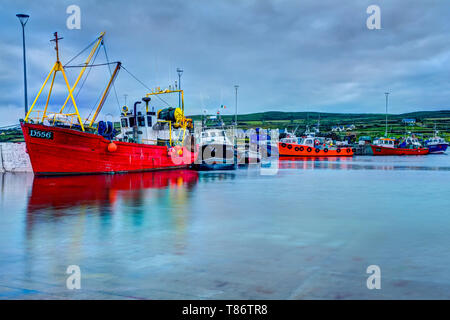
(366, 123)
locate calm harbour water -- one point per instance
(309, 231)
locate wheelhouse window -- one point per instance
(124, 122)
(149, 121)
(132, 123)
(141, 121)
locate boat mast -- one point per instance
(86, 63)
(59, 67)
(387, 94)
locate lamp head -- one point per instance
(23, 18)
(180, 71)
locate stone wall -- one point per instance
(14, 158)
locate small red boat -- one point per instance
(389, 147)
(61, 142)
(386, 151)
(311, 147)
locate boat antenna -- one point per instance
(387, 95)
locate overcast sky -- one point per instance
(302, 55)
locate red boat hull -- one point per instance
(383, 151)
(60, 151)
(296, 150)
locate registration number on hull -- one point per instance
(33, 133)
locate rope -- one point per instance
(92, 65)
(84, 81)
(87, 75)
(110, 73)
(95, 104)
(145, 85)
(90, 45)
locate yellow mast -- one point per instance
(86, 63)
(59, 67)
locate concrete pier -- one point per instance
(14, 157)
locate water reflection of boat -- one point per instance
(65, 192)
(315, 162)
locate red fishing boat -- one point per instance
(62, 143)
(388, 147)
(311, 146)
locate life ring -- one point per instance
(348, 150)
(296, 149)
(289, 146)
(301, 148)
(325, 150)
(309, 149)
(283, 145)
(317, 150)
(338, 150)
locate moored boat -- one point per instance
(389, 147)
(216, 151)
(61, 143)
(311, 146)
(436, 144)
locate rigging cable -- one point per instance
(110, 72)
(144, 85)
(90, 45)
(91, 65)
(84, 80)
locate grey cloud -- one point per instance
(285, 55)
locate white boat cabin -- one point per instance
(385, 142)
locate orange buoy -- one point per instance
(112, 147)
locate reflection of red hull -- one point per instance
(64, 192)
(67, 151)
(383, 151)
(296, 150)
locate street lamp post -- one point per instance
(236, 104)
(180, 72)
(23, 18)
(387, 95)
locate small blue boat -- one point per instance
(436, 144)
